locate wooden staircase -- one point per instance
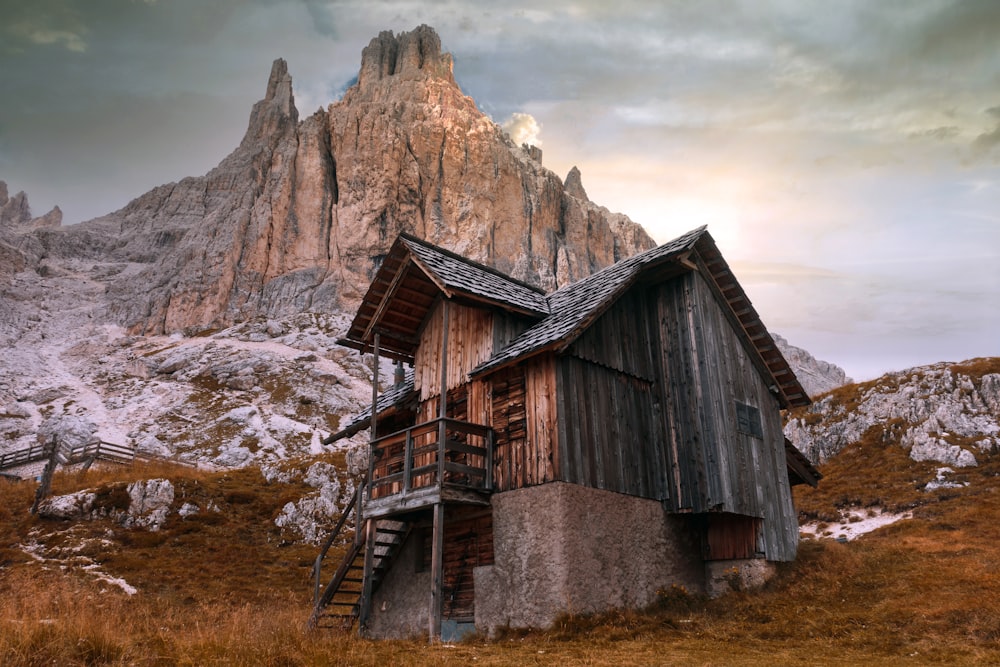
(345, 597)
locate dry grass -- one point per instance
(228, 590)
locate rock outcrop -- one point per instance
(816, 376)
(946, 413)
(19, 249)
(300, 214)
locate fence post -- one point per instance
(46, 484)
(407, 460)
(489, 459)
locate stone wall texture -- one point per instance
(401, 605)
(567, 548)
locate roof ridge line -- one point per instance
(454, 255)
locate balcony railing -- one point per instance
(435, 454)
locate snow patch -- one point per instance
(853, 524)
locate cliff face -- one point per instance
(301, 213)
(19, 247)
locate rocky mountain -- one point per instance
(18, 247)
(200, 321)
(263, 259)
(299, 215)
(816, 376)
(948, 413)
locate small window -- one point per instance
(748, 420)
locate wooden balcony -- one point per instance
(439, 461)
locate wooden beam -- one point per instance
(431, 275)
(386, 298)
(437, 573)
(396, 335)
(443, 396)
(366, 586)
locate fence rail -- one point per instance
(91, 451)
(440, 451)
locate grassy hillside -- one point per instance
(228, 588)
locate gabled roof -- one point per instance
(574, 307)
(459, 275)
(412, 276)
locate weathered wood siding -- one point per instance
(470, 342)
(610, 430)
(523, 417)
(647, 406)
(468, 543)
(509, 419)
(714, 467)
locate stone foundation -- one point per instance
(401, 605)
(564, 548)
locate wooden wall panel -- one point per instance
(620, 338)
(510, 427)
(713, 466)
(523, 417)
(541, 460)
(470, 342)
(468, 543)
(612, 430)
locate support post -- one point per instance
(372, 424)
(374, 417)
(437, 573)
(443, 402)
(488, 482)
(46, 484)
(407, 461)
(366, 585)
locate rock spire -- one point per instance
(300, 214)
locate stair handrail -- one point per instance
(333, 537)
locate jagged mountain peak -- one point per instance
(574, 184)
(297, 216)
(275, 115)
(15, 212)
(816, 376)
(414, 54)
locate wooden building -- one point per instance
(567, 451)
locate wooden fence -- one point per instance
(99, 450)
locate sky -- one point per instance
(845, 155)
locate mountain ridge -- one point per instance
(300, 213)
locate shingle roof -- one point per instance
(399, 395)
(459, 274)
(562, 315)
(575, 306)
(412, 276)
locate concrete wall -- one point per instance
(562, 547)
(400, 606)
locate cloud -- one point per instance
(48, 22)
(71, 40)
(987, 141)
(523, 129)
